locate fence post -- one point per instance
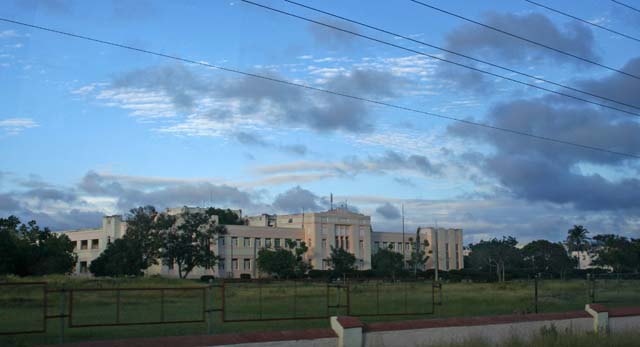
(535, 295)
(377, 297)
(63, 305)
(118, 306)
(209, 307)
(295, 297)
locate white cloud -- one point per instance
(14, 126)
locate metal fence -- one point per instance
(23, 308)
(615, 289)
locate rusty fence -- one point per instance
(25, 307)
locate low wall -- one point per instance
(493, 329)
(624, 319)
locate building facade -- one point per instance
(319, 230)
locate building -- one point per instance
(238, 249)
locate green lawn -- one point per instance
(21, 306)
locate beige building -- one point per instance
(319, 230)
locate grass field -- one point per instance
(21, 306)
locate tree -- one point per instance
(187, 243)
(547, 257)
(617, 252)
(284, 263)
(120, 258)
(225, 216)
(387, 263)
(577, 240)
(418, 257)
(496, 253)
(28, 250)
(341, 261)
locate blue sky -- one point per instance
(88, 129)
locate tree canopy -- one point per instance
(341, 261)
(284, 263)
(547, 257)
(387, 263)
(496, 254)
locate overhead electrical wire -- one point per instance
(583, 20)
(557, 50)
(450, 61)
(455, 53)
(326, 91)
(626, 5)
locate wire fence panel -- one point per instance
(616, 289)
(136, 306)
(561, 295)
(373, 298)
(23, 308)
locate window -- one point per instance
(337, 244)
(258, 242)
(391, 246)
(346, 243)
(83, 266)
(385, 245)
(108, 239)
(324, 264)
(290, 220)
(277, 243)
(298, 242)
(221, 240)
(221, 265)
(446, 256)
(246, 242)
(287, 242)
(247, 264)
(75, 245)
(234, 242)
(95, 244)
(376, 245)
(457, 257)
(234, 264)
(407, 246)
(324, 243)
(309, 243)
(361, 245)
(84, 244)
(267, 243)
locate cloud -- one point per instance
(542, 171)
(389, 161)
(297, 199)
(254, 140)
(15, 126)
(50, 6)
(332, 38)
(388, 211)
(214, 107)
(575, 38)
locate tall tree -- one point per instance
(498, 254)
(341, 261)
(617, 252)
(284, 262)
(225, 216)
(187, 244)
(577, 240)
(547, 257)
(418, 257)
(387, 263)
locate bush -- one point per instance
(245, 276)
(207, 278)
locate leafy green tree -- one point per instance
(387, 263)
(617, 252)
(547, 257)
(498, 254)
(120, 258)
(284, 263)
(577, 240)
(225, 216)
(187, 244)
(341, 261)
(418, 257)
(28, 250)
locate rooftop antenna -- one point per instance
(331, 202)
(435, 241)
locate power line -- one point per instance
(526, 39)
(583, 20)
(452, 52)
(450, 61)
(625, 5)
(327, 91)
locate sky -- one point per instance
(88, 129)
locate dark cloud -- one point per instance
(536, 170)
(405, 181)
(388, 211)
(473, 40)
(297, 199)
(617, 86)
(286, 104)
(50, 194)
(8, 204)
(254, 140)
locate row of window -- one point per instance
(84, 244)
(234, 264)
(394, 246)
(268, 242)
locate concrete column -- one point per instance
(349, 331)
(600, 316)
